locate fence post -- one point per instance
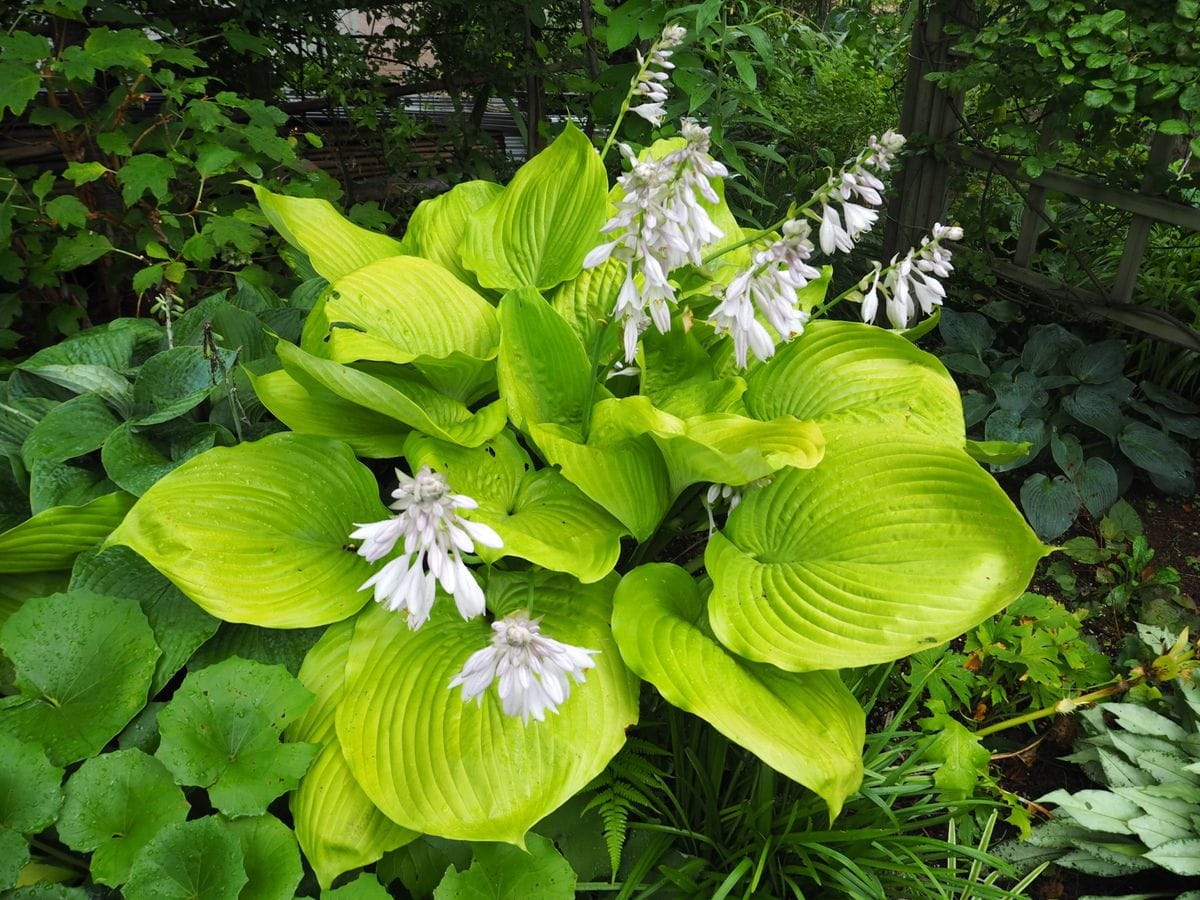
(1139, 229)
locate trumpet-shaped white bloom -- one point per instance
(531, 668)
(911, 281)
(856, 189)
(435, 537)
(652, 73)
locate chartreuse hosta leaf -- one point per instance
(497, 775)
(587, 301)
(54, 537)
(115, 804)
(806, 725)
(389, 391)
(221, 731)
(537, 232)
(845, 373)
(310, 408)
(83, 668)
(406, 309)
(336, 823)
(257, 533)
(334, 245)
(679, 377)
(539, 515)
(895, 542)
(436, 227)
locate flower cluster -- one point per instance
(660, 225)
(531, 668)
(435, 537)
(653, 72)
(856, 189)
(911, 281)
(768, 286)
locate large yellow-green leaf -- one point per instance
(54, 537)
(539, 515)
(537, 232)
(259, 532)
(587, 302)
(466, 770)
(338, 827)
(806, 725)
(312, 409)
(436, 227)
(846, 373)
(894, 543)
(335, 246)
(404, 399)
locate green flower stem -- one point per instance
(612, 134)
(597, 347)
(1066, 705)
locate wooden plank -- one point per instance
(1035, 205)
(1130, 201)
(1139, 229)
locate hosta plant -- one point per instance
(618, 446)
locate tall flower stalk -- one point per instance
(649, 84)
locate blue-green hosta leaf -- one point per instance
(119, 345)
(312, 409)
(398, 397)
(102, 381)
(221, 731)
(1153, 450)
(1095, 408)
(1050, 503)
(274, 514)
(407, 309)
(30, 786)
(179, 625)
(1098, 489)
(718, 447)
(71, 429)
(270, 858)
(543, 368)
(627, 478)
(187, 861)
(336, 823)
(845, 374)
(175, 381)
(895, 542)
(537, 232)
(115, 804)
(335, 246)
(806, 725)
(504, 775)
(435, 229)
(137, 456)
(540, 516)
(74, 697)
(507, 873)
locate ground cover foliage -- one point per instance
(199, 699)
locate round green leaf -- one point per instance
(258, 532)
(270, 857)
(29, 786)
(537, 232)
(115, 804)
(191, 860)
(508, 873)
(221, 731)
(844, 373)
(806, 725)
(895, 542)
(14, 854)
(500, 775)
(336, 823)
(83, 667)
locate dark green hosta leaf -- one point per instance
(115, 804)
(1169, 399)
(179, 625)
(868, 557)
(1016, 395)
(1067, 453)
(83, 668)
(275, 514)
(71, 429)
(175, 381)
(270, 646)
(435, 229)
(502, 872)
(119, 346)
(188, 861)
(1050, 504)
(1096, 408)
(54, 484)
(221, 731)
(102, 381)
(968, 332)
(1151, 449)
(270, 857)
(30, 792)
(806, 725)
(137, 456)
(537, 232)
(976, 407)
(1046, 347)
(1006, 425)
(1098, 363)
(1098, 487)
(966, 364)
(16, 589)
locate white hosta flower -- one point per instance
(856, 189)
(660, 225)
(435, 537)
(652, 73)
(911, 281)
(531, 669)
